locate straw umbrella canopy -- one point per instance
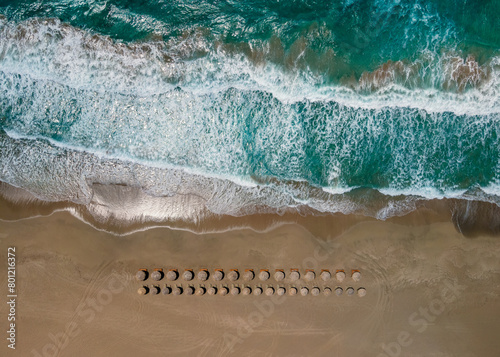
(218, 275)
(350, 291)
(294, 275)
(325, 275)
(327, 291)
(356, 276)
(340, 276)
(246, 290)
(233, 275)
(157, 275)
(361, 292)
(172, 275)
(235, 290)
(177, 290)
(190, 290)
(304, 291)
(270, 291)
(143, 290)
(248, 275)
(315, 291)
(223, 291)
(281, 291)
(203, 275)
(264, 275)
(188, 275)
(257, 291)
(310, 275)
(167, 290)
(292, 291)
(212, 290)
(141, 275)
(200, 291)
(339, 291)
(155, 290)
(279, 275)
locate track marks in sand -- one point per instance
(380, 285)
(94, 284)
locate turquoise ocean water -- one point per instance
(252, 106)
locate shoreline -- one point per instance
(470, 218)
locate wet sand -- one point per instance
(431, 291)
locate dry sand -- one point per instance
(430, 291)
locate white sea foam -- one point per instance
(208, 135)
(338, 190)
(48, 50)
(427, 192)
(114, 189)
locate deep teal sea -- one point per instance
(254, 106)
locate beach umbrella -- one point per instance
(177, 290)
(325, 275)
(188, 275)
(269, 291)
(155, 290)
(279, 275)
(200, 291)
(350, 291)
(340, 276)
(218, 275)
(248, 275)
(203, 275)
(246, 290)
(294, 275)
(339, 291)
(143, 290)
(315, 291)
(235, 290)
(310, 275)
(327, 291)
(233, 275)
(257, 291)
(157, 275)
(223, 291)
(361, 292)
(212, 290)
(292, 291)
(304, 291)
(166, 290)
(190, 290)
(356, 276)
(281, 291)
(264, 275)
(141, 275)
(172, 275)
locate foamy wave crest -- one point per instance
(437, 81)
(250, 135)
(112, 189)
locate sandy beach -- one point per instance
(430, 290)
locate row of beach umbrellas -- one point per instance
(247, 275)
(247, 290)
